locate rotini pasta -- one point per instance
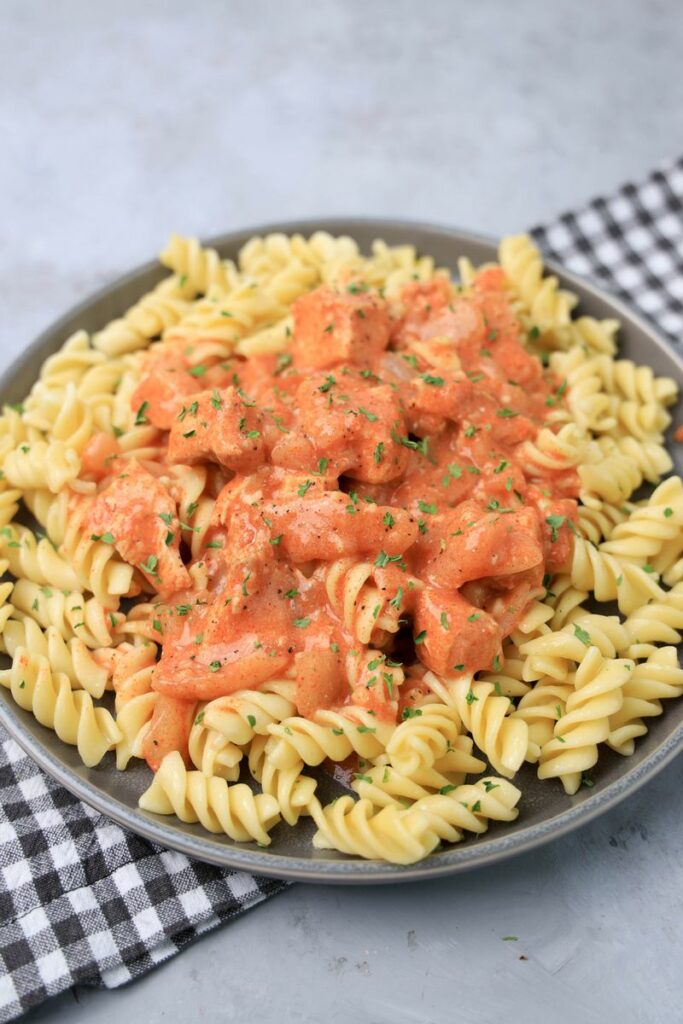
(313, 509)
(71, 713)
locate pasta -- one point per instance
(313, 509)
(71, 713)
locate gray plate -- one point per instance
(546, 812)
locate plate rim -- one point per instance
(460, 858)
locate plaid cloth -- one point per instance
(631, 243)
(81, 900)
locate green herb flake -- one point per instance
(583, 635)
(140, 417)
(555, 522)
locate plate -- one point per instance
(546, 811)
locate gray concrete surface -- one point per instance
(121, 122)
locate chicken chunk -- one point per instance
(222, 426)
(332, 327)
(137, 515)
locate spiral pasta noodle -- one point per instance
(597, 695)
(70, 713)
(191, 796)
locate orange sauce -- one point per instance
(393, 434)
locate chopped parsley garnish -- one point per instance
(301, 491)
(583, 635)
(283, 361)
(214, 666)
(302, 623)
(106, 538)
(388, 519)
(436, 382)
(443, 618)
(429, 508)
(379, 451)
(506, 414)
(383, 559)
(555, 522)
(474, 617)
(330, 381)
(197, 371)
(470, 698)
(668, 512)
(368, 415)
(416, 446)
(501, 466)
(150, 565)
(411, 713)
(291, 593)
(420, 638)
(216, 400)
(275, 540)
(140, 417)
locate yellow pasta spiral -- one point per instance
(424, 738)
(366, 611)
(545, 303)
(503, 739)
(50, 465)
(159, 309)
(221, 808)
(334, 735)
(597, 695)
(35, 559)
(294, 791)
(202, 267)
(610, 578)
(70, 713)
(68, 657)
(356, 828)
(71, 614)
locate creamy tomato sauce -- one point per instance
(392, 434)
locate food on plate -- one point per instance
(320, 508)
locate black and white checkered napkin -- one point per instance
(84, 902)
